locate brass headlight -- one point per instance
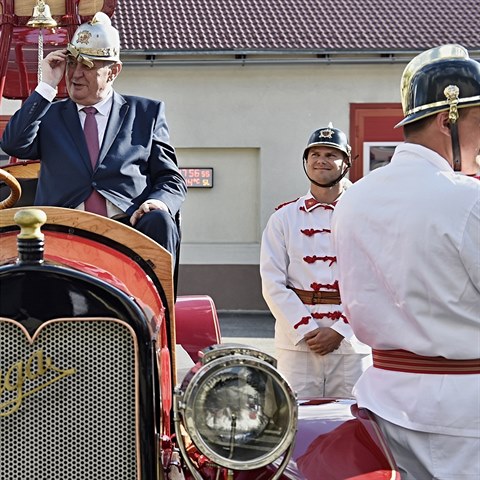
(237, 409)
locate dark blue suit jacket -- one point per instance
(136, 161)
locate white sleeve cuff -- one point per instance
(343, 329)
(46, 91)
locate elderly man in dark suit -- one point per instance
(113, 160)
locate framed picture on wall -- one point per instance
(377, 154)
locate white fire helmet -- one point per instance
(95, 40)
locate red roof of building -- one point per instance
(298, 25)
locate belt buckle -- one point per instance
(316, 296)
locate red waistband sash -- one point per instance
(405, 361)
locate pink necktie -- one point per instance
(95, 203)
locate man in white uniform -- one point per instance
(408, 244)
(314, 344)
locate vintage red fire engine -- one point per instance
(103, 375)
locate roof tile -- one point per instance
(312, 25)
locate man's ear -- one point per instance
(443, 123)
(114, 71)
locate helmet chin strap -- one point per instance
(452, 92)
(331, 184)
(457, 159)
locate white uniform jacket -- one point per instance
(297, 252)
(408, 243)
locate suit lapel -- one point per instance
(70, 117)
(115, 121)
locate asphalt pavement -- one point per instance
(255, 329)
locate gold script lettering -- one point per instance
(19, 374)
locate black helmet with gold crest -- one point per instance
(441, 79)
(437, 79)
(329, 137)
(430, 82)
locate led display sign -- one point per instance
(198, 177)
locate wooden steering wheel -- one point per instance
(15, 189)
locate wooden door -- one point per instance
(372, 135)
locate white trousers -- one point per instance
(432, 456)
(313, 375)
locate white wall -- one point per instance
(221, 224)
(266, 109)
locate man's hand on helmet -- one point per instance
(53, 67)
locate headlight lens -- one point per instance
(238, 410)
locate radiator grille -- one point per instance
(75, 416)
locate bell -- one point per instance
(41, 18)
